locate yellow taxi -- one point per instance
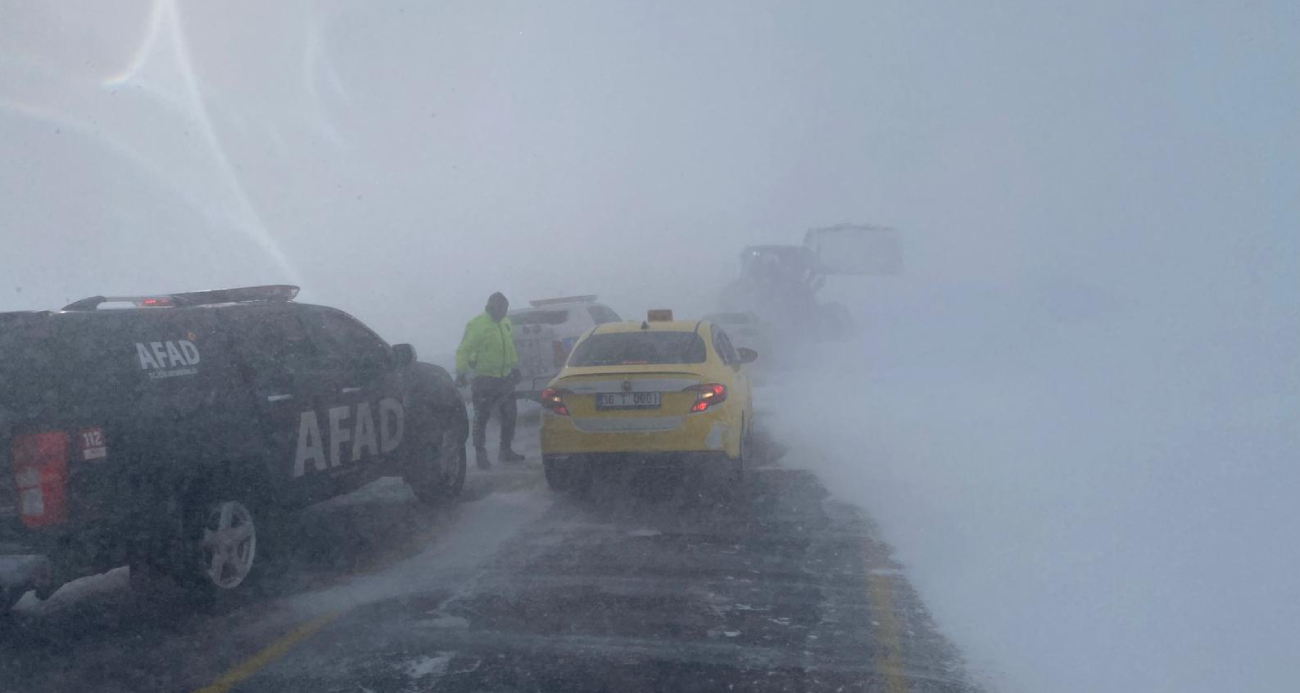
(658, 391)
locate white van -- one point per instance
(546, 331)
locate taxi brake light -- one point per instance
(708, 395)
(156, 302)
(554, 402)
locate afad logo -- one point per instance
(168, 359)
(350, 435)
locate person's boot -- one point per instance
(508, 455)
(481, 458)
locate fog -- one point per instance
(1075, 413)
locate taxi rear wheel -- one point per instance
(736, 474)
(746, 447)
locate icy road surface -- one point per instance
(644, 586)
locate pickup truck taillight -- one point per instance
(41, 476)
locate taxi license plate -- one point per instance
(627, 400)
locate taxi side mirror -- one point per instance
(403, 355)
(746, 355)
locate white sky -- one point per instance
(419, 156)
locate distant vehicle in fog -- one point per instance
(545, 333)
(780, 283)
(165, 434)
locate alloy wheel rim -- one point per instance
(229, 544)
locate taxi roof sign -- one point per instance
(660, 315)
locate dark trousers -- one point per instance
(494, 394)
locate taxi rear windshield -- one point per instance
(638, 348)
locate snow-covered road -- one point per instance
(647, 585)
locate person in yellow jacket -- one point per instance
(487, 353)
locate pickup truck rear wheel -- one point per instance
(215, 551)
(227, 545)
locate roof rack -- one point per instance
(245, 294)
(567, 299)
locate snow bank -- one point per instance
(1097, 501)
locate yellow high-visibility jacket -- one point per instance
(488, 348)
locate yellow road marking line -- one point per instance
(245, 670)
(890, 661)
(268, 655)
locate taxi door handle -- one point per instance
(278, 398)
(350, 390)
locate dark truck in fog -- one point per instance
(166, 434)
